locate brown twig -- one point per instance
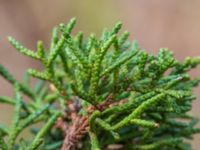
(78, 128)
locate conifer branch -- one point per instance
(98, 93)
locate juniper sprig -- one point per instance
(96, 93)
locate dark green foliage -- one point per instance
(123, 95)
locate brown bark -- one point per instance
(77, 127)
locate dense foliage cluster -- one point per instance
(101, 94)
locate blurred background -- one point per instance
(174, 24)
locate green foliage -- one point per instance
(104, 91)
